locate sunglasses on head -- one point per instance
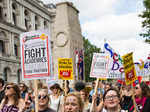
(9, 87)
(54, 87)
(42, 97)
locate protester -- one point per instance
(100, 92)
(107, 86)
(29, 101)
(44, 101)
(68, 89)
(12, 101)
(142, 98)
(73, 103)
(126, 97)
(2, 93)
(84, 97)
(56, 97)
(110, 103)
(23, 89)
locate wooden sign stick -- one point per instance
(95, 92)
(65, 87)
(36, 95)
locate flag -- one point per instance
(81, 65)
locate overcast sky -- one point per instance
(115, 20)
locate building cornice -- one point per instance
(69, 4)
(43, 8)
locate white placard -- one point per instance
(35, 54)
(99, 67)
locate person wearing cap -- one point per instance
(56, 97)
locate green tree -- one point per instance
(146, 22)
(89, 49)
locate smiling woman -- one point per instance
(110, 103)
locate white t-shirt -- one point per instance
(55, 102)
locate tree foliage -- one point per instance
(89, 49)
(146, 22)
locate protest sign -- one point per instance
(129, 69)
(99, 67)
(35, 54)
(65, 69)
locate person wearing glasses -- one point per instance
(110, 103)
(56, 97)
(142, 98)
(12, 101)
(73, 103)
(23, 89)
(43, 100)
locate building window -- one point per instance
(1, 13)
(2, 49)
(27, 19)
(16, 50)
(45, 24)
(37, 23)
(14, 18)
(14, 13)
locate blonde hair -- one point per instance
(77, 95)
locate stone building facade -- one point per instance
(18, 16)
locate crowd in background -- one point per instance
(81, 98)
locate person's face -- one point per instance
(9, 90)
(43, 98)
(82, 95)
(111, 99)
(107, 87)
(21, 87)
(138, 90)
(71, 104)
(55, 90)
(93, 85)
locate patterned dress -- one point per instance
(10, 108)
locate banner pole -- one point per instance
(36, 95)
(95, 92)
(65, 87)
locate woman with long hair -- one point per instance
(142, 98)
(12, 101)
(56, 97)
(84, 96)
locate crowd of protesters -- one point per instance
(108, 98)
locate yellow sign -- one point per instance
(129, 69)
(65, 69)
(102, 78)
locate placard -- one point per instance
(65, 69)
(129, 69)
(35, 54)
(99, 67)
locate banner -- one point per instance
(99, 67)
(35, 55)
(129, 69)
(115, 66)
(65, 69)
